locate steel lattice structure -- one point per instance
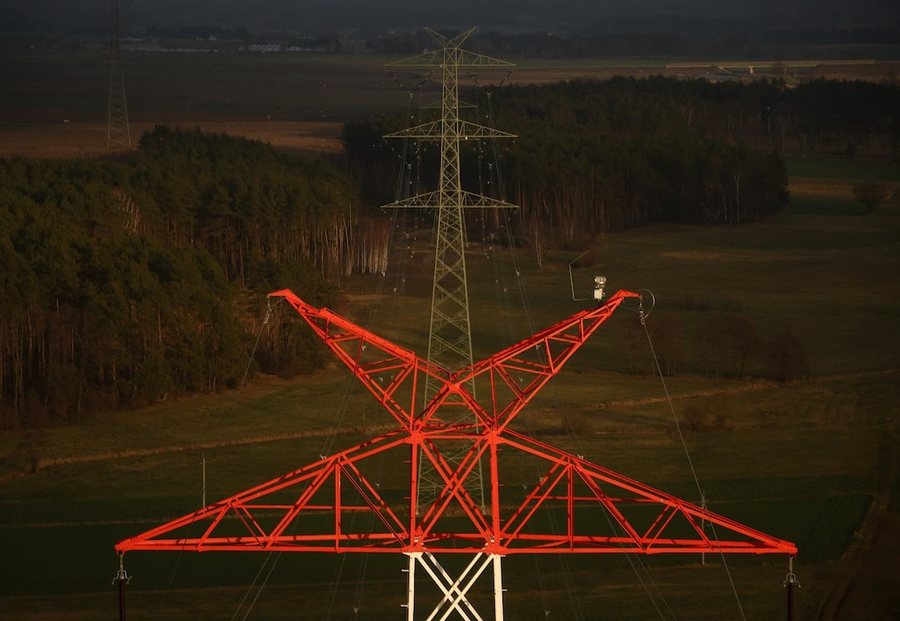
(118, 131)
(603, 512)
(450, 334)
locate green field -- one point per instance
(812, 461)
(835, 169)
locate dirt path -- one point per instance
(198, 446)
(67, 140)
(755, 386)
(867, 589)
(712, 392)
(318, 433)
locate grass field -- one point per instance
(812, 461)
(824, 186)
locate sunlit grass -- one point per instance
(826, 169)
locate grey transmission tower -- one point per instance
(118, 132)
(450, 337)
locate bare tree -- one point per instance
(726, 344)
(871, 194)
(532, 229)
(786, 357)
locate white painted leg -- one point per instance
(411, 585)
(454, 595)
(461, 593)
(498, 587)
(455, 591)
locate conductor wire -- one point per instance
(687, 454)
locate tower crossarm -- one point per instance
(463, 58)
(637, 518)
(518, 372)
(269, 516)
(432, 200)
(434, 58)
(463, 130)
(391, 373)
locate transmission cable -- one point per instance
(352, 385)
(573, 437)
(501, 299)
(403, 187)
(500, 189)
(348, 393)
(574, 602)
(256, 343)
(687, 455)
(350, 388)
(270, 557)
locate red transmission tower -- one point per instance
(602, 512)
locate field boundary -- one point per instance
(196, 446)
(755, 386)
(874, 524)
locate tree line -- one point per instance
(690, 39)
(604, 156)
(127, 280)
(599, 156)
(595, 157)
(124, 280)
(725, 344)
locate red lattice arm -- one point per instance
(271, 516)
(518, 372)
(674, 525)
(391, 373)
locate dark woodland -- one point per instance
(127, 280)
(595, 157)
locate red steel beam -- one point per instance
(268, 516)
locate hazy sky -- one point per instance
(533, 15)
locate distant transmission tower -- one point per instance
(450, 336)
(118, 132)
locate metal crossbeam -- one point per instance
(462, 129)
(449, 336)
(606, 512)
(433, 200)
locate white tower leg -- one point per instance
(455, 603)
(413, 558)
(498, 587)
